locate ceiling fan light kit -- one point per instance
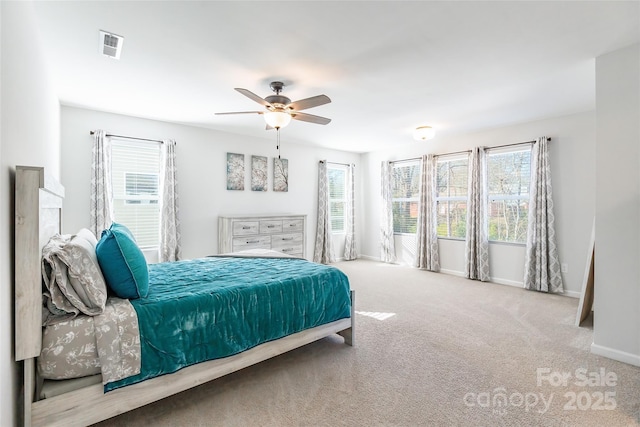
(423, 133)
(279, 110)
(277, 119)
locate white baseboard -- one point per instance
(514, 283)
(621, 356)
(452, 272)
(369, 257)
(571, 294)
(507, 282)
(493, 279)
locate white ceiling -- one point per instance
(387, 66)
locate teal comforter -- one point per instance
(209, 308)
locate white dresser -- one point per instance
(284, 233)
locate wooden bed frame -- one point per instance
(38, 215)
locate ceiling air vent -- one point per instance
(111, 44)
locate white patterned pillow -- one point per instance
(88, 290)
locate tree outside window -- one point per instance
(451, 198)
(509, 175)
(405, 191)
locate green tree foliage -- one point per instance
(509, 175)
(405, 192)
(452, 189)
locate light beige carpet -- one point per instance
(448, 354)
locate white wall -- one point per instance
(201, 161)
(572, 152)
(30, 136)
(617, 260)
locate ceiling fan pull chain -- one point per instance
(278, 141)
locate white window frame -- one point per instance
(141, 197)
(120, 194)
(447, 159)
(416, 199)
(334, 200)
(506, 197)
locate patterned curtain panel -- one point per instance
(542, 265)
(170, 247)
(427, 257)
(350, 252)
(477, 243)
(387, 246)
(323, 252)
(101, 192)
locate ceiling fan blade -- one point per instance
(253, 96)
(310, 118)
(240, 112)
(314, 101)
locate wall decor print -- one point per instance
(258, 173)
(280, 174)
(235, 171)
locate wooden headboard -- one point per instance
(38, 210)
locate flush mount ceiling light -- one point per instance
(422, 133)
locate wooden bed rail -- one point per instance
(90, 404)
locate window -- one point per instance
(451, 196)
(135, 170)
(405, 193)
(337, 197)
(509, 174)
(141, 188)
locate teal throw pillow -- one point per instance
(122, 263)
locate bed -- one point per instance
(257, 336)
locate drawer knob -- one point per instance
(245, 227)
(270, 226)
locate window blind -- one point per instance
(405, 193)
(135, 171)
(337, 197)
(509, 175)
(451, 199)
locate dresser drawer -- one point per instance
(271, 226)
(244, 228)
(249, 242)
(292, 225)
(282, 233)
(290, 243)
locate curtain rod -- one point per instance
(406, 160)
(130, 137)
(468, 151)
(337, 163)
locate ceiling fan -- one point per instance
(279, 110)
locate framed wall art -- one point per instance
(258, 173)
(280, 175)
(235, 171)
